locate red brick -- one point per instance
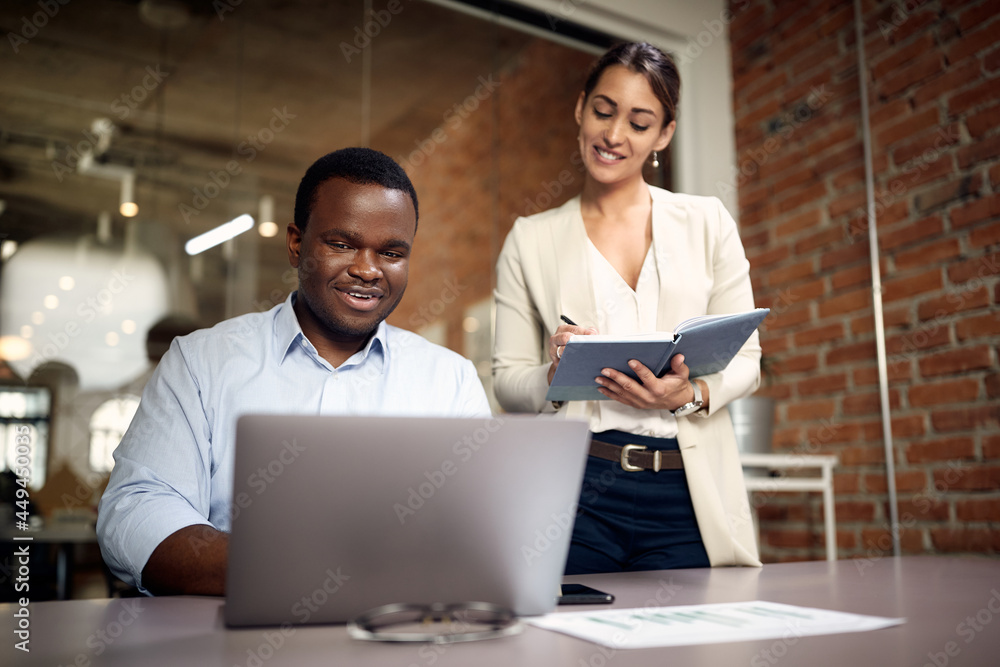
(962, 539)
(761, 238)
(764, 111)
(928, 335)
(845, 202)
(976, 296)
(991, 447)
(789, 317)
(837, 134)
(954, 78)
(941, 393)
(798, 223)
(843, 157)
(859, 275)
(819, 335)
(800, 539)
(861, 456)
(965, 419)
(867, 404)
(802, 196)
(906, 481)
(787, 438)
(881, 541)
(901, 288)
(979, 267)
(824, 237)
(845, 483)
(769, 256)
(971, 43)
(978, 15)
(978, 509)
(907, 127)
(791, 273)
(895, 58)
(941, 450)
(907, 427)
(897, 372)
(892, 317)
(946, 193)
(985, 236)
(923, 509)
(883, 113)
(824, 384)
(978, 327)
(979, 151)
(985, 121)
(849, 178)
(796, 364)
(845, 256)
(900, 235)
(845, 303)
(789, 157)
(847, 511)
(928, 254)
(850, 353)
(762, 86)
(991, 61)
(956, 361)
(810, 410)
(846, 540)
(832, 432)
(919, 69)
(992, 382)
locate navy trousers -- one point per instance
(628, 521)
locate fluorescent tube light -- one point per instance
(220, 234)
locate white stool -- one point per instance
(823, 483)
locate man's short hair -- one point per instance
(363, 166)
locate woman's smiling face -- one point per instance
(621, 123)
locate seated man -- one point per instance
(164, 519)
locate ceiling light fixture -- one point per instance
(127, 206)
(220, 234)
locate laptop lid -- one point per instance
(335, 515)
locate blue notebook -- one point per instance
(708, 344)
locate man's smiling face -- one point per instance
(353, 259)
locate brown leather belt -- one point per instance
(636, 457)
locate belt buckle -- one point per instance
(628, 467)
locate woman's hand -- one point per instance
(558, 340)
(665, 393)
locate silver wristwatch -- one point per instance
(692, 407)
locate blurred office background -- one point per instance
(129, 127)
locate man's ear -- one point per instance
(293, 241)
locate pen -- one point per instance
(568, 321)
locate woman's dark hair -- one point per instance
(362, 166)
(643, 58)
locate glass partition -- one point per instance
(129, 129)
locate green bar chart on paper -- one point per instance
(705, 624)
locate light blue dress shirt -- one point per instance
(174, 467)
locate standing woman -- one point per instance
(621, 258)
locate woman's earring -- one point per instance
(656, 160)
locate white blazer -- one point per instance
(542, 272)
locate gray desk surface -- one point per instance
(952, 606)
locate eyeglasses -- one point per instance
(435, 623)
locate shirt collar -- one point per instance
(288, 334)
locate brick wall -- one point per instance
(511, 154)
(933, 76)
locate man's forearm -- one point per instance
(191, 561)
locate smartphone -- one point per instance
(580, 594)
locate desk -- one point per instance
(944, 600)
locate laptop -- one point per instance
(335, 515)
